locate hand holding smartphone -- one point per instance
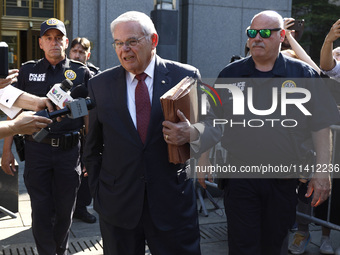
(298, 25)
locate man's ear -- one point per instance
(88, 56)
(154, 40)
(40, 39)
(67, 41)
(282, 35)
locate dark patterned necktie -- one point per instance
(143, 106)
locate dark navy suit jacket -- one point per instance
(122, 170)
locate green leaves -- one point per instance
(319, 16)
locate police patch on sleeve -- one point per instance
(289, 84)
(70, 74)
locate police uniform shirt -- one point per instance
(255, 139)
(93, 69)
(38, 77)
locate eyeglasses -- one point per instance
(132, 42)
(264, 33)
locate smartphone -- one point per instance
(3, 60)
(298, 25)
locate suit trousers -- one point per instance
(52, 179)
(84, 197)
(259, 214)
(118, 241)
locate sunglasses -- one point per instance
(264, 33)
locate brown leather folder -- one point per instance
(183, 96)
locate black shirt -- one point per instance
(93, 69)
(265, 139)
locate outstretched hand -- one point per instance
(28, 123)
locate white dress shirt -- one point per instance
(131, 84)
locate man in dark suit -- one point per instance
(138, 194)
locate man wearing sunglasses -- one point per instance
(262, 207)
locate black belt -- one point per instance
(54, 142)
(65, 141)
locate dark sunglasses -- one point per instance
(264, 33)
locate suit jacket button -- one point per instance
(142, 178)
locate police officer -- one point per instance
(260, 210)
(81, 51)
(264, 208)
(52, 167)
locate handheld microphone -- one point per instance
(73, 109)
(59, 93)
(80, 91)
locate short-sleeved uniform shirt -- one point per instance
(265, 139)
(38, 77)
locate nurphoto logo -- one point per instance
(241, 96)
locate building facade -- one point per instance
(202, 33)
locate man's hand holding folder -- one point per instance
(180, 108)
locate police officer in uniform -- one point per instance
(52, 168)
(260, 210)
(94, 69)
(265, 208)
(81, 51)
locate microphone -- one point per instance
(80, 91)
(59, 93)
(73, 109)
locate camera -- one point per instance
(3, 60)
(298, 25)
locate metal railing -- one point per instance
(218, 153)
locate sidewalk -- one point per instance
(16, 236)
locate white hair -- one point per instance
(144, 20)
(335, 49)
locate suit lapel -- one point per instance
(161, 84)
(119, 92)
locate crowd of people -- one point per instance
(118, 154)
(302, 236)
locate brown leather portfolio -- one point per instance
(183, 96)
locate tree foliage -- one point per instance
(319, 16)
